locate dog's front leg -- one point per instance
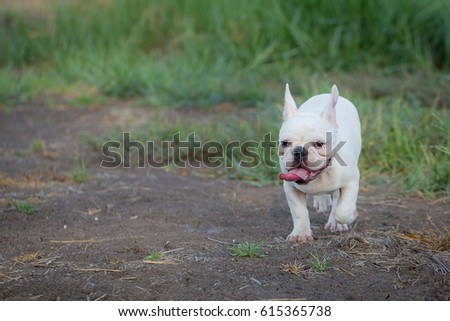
(332, 225)
(300, 216)
(346, 211)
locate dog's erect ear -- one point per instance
(290, 109)
(330, 111)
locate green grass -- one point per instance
(80, 173)
(319, 263)
(247, 250)
(405, 147)
(323, 34)
(37, 146)
(23, 206)
(196, 52)
(154, 256)
(391, 58)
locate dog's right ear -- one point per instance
(290, 109)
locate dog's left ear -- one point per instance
(330, 112)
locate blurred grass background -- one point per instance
(392, 58)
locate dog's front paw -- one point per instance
(299, 238)
(336, 227)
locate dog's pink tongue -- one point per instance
(294, 174)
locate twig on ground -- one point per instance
(97, 270)
(221, 242)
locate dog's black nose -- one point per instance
(300, 153)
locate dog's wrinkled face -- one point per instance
(303, 149)
(305, 142)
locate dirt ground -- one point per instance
(88, 241)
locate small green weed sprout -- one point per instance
(80, 174)
(247, 250)
(154, 256)
(23, 206)
(319, 263)
(37, 146)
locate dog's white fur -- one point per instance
(337, 185)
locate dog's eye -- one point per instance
(319, 144)
(285, 143)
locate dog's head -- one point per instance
(305, 139)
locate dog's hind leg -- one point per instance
(322, 203)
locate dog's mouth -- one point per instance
(302, 175)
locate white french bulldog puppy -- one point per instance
(319, 147)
